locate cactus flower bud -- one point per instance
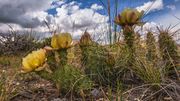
(85, 39)
(129, 17)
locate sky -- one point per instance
(76, 16)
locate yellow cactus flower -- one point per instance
(64, 40)
(61, 41)
(33, 60)
(129, 17)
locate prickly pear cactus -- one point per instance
(56, 68)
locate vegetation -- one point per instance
(130, 69)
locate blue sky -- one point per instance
(122, 4)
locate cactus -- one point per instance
(129, 36)
(127, 19)
(151, 47)
(71, 79)
(168, 49)
(98, 65)
(66, 77)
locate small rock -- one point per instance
(95, 92)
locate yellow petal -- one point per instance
(26, 66)
(41, 56)
(64, 40)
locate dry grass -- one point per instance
(8, 84)
(12, 61)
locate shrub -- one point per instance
(15, 43)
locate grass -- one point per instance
(8, 84)
(13, 61)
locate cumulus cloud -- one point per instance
(96, 7)
(149, 26)
(70, 18)
(151, 6)
(23, 12)
(24, 15)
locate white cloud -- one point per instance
(172, 7)
(96, 7)
(70, 18)
(149, 26)
(151, 6)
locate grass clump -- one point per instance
(147, 71)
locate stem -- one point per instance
(129, 37)
(63, 57)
